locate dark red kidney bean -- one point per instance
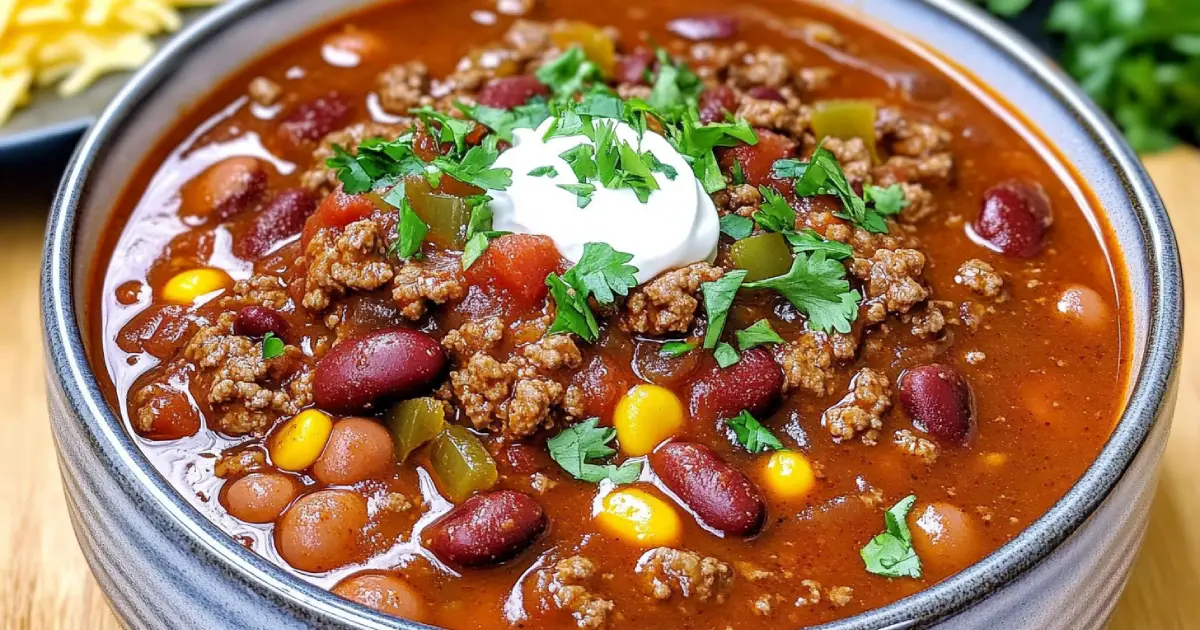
(938, 399)
(257, 321)
(283, 217)
(718, 493)
(753, 384)
(524, 459)
(313, 120)
(700, 28)
(509, 92)
(765, 93)
(486, 529)
(632, 68)
(384, 364)
(1015, 218)
(225, 189)
(716, 102)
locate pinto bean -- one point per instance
(384, 592)
(384, 364)
(938, 399)
(509, 92)
(323, 531)
(487, 529)
(715, 103)
(257, 321)
(283, 217)
(313, 120)
(260, 497)
(718, 493)
(700, 28)
(225, 188)
(752, 384)
(1015, 218)
(357, 449)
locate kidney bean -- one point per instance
(716, 102)
(486, 529)
(225, 188)
(282, 217)
(631, 68)
(523, 459)
(938, 399)
(765, 93)
(313, 120)
(1015, 218)
(700, 28)
(257, 321)
(718, 493)
(509, 92)
(752, 384)
(389, 363)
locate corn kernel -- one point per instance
(185, 287)
(645, 416)
(299, 442)
(639, 517)
(789, 475)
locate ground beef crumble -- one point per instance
(666, 572)
(917, 446)
(668, 303)
(740, 199)
(566, 584)
(892, 281)
(337, 263)
(980, 277)
(807, 363)
(401, 87)
(861, 411)
(419, 283)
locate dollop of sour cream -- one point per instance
(677, 226)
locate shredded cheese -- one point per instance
(71, 43)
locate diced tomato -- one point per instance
(758, 160)
(337, 211)
(425, 147)
(517, 265)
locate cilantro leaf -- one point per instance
(576, 448)
(272, 346)
(810, 241)
(479, 229)
(737, 173)
(726, 355)
(571, 313)
(376, 164)
(752, 435)
(757, 334)
(658, 167)
(774, 214)
(569, 72)
(544, 171)
(696, 142)
(447, 129)
(410, 232)
(675, 86)
(582, 160)
(504, 121)
(674, 349)
(891, 553)
(888, 201)
(818, 288)
(736, 227)
(582, 192)
(353, 175)
(476, 167)
(603, 273)
(718, 297)
(635, 173)
(477, 245)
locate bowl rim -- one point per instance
(1157, 369)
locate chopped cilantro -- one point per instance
(674, 349)
(272, 347)
(477, 245)
(577, 447)
(504, 121)
(376, 164)
(752, 435)
(823, 175)
(569, 72)
(696, 142)
(891, 553)
(738, 175)
(757, 334)
(635, 173)
(888, 201)
(675, 87)
(658, 167)
(725, 355)
(582, 192)
(818, 288)
(603, 273)
(571, 313)
(810, 241)
(736, 227)
(410, 232)
(718, 297)
(446, 129)
(774, 214)
(544, 171)
(476, 167)
(582, 160)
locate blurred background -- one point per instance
(1139, 59)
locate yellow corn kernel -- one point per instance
(994, 460)
(299, 442)
(189, 285)
(640, 518)
(645, 416)
(789, 475)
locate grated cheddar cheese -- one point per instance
(71, 43)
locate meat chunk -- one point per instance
(763, 67)
(258, 290)
(854, 156)
(566, 585)
(401, 87)
(355, 259)
(666, 572)
(668, 303)
(892, 281)
(791, 118)
(927, 322)
(740, 199)
(264, 91)
(247, 392)
(417, 284)
(523, 394)
(980, 277)
(527, 38)
(861, 411)
(917, 446)
(473, 337)
(907, 137)
(321, 178)
(807, 363)
(920, 203)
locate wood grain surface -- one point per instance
(45, 583)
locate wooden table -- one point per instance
(44, 582)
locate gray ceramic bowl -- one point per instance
(164, 565)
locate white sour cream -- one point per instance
(677, 226)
